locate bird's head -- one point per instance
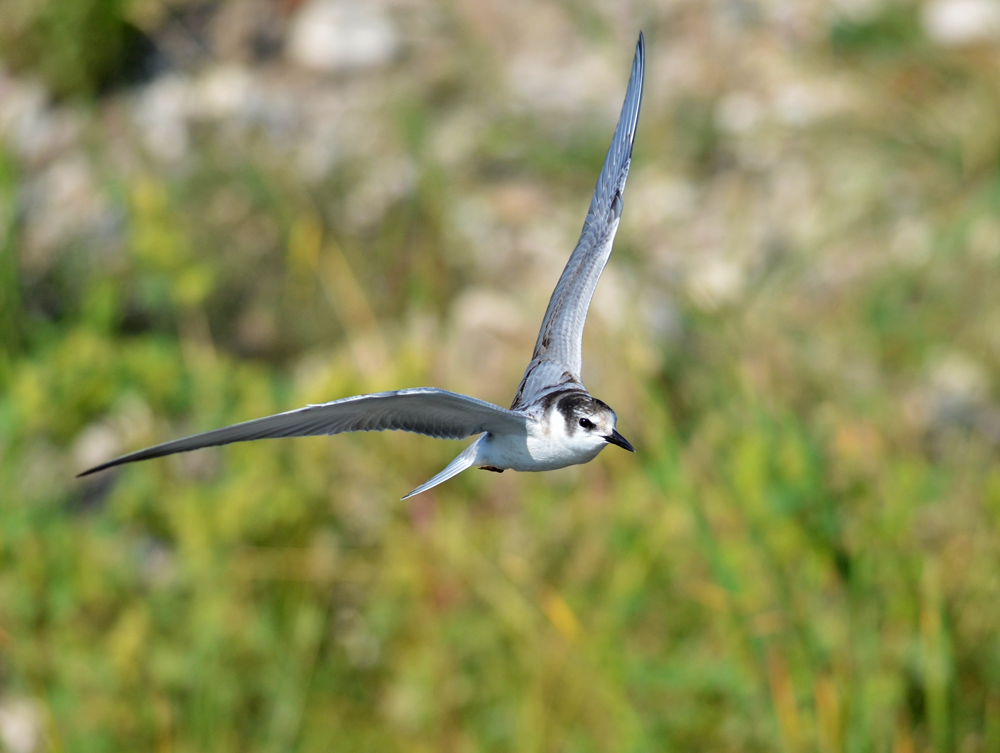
(588, 424)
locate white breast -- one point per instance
(546, 446)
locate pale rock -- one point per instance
(654, 199)
(984, 239)
(34, 130)
(738, 112)
(716, 283)
(957, 23)
(385, 183)
(225, 91)
(911, 241)
(20, 725)
(958, 376)
(162, 112)
(333, 36)
(62, 202)
(800, 104)
(566, 85)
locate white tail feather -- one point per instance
(465, 460)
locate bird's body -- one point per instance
(553, 440)
(553, 421)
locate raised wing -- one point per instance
(424, 410)
(557, 351)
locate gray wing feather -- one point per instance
(424, 410)
(560, 338)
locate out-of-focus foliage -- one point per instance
(798, 330)
(76, 46)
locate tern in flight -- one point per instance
(553, 421)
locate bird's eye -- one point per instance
(586, 423)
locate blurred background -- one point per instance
(212, 211)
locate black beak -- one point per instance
(619, 440)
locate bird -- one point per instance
(553, 421)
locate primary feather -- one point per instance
(423, 410)
(557, 358)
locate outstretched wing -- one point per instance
(424, 410)
(557, 351)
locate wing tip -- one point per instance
(97, 468)
(639, 65)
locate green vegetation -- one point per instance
(76, 46)
(804, 555)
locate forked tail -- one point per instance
(465, 460)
